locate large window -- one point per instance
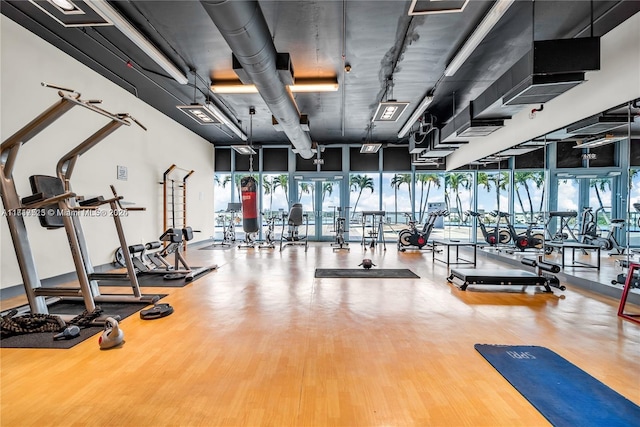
(458, 198)
(529, 196)
(364, 195)
(397, 197)
(275, 193)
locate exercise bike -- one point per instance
(270, 235)
(339, 226)
(418, 238)
(589, 231)
(493, 236)
(527, 240)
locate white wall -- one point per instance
(26, 61)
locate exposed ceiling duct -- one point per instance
(550, 69)
(245, 30)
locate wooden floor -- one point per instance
(262, 342)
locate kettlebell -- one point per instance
(112, 335)
(366, 264)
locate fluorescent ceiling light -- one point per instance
(370, 148)
(105, 9)
(300, 86)
(481, 31)
(389, 111)
(225, 120)
(416, 114)
(426, 7)
(516, 151)
(200, 114)
(243, 149)
(70, 14)
(608, 139)
(65, 6)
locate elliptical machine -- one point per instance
(418, 238)
(493, 236)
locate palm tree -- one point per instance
(453, 181)
(282, 181)
(359, 183)
(601, 184)
(267, 184)
(327, 188)
(396, 182)
(501, 179)
(522, 179)
(429, 179)
(306, 188)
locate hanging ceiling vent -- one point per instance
(598, 124)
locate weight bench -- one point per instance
(502, 277)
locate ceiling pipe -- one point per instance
(245, 30)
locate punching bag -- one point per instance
(249, 205)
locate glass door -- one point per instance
(321, 201)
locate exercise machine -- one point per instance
(174, 211)
(293, 221)
(412, 237)
(376, 230)
(521, 241)
(492, 236)
(507, 277)
(59, 201)
(228, 220)
(621, 278)
(589, 232)
(270, 234)
(339, 228)
(560, 235)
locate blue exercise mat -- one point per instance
(565, 394)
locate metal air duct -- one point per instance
(245, 30)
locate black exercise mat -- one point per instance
(45, 339)
(154, 281)
(357, 273)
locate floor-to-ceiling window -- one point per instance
(364, 195)
(458, 198)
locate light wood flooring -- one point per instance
(262, 342)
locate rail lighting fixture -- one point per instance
(300, 86)
(200, 114)
(370, 148)
(488, 22)
(106, 10)
(607, 139)
(415, 116)
(389, 111)
(243, 149)
(223, 118)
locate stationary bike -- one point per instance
(493, 236)
(270, 235)
(589, 231)
(525, 240)
(418, 238)
(339, 225)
